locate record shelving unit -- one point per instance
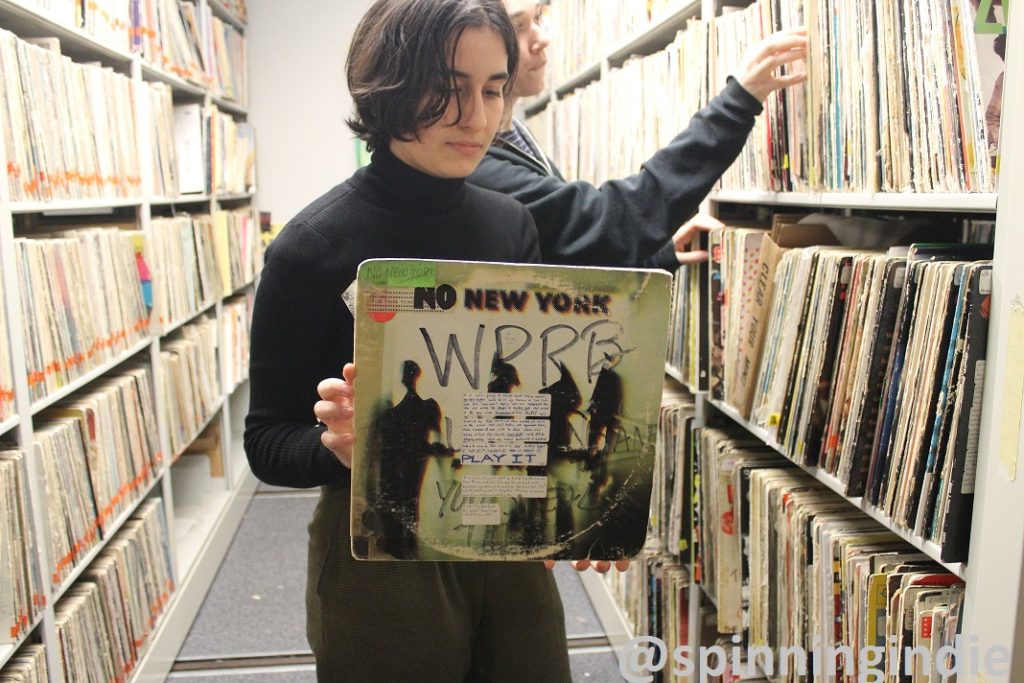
(994, 575)
(223, 499)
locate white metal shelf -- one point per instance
(678, 376)
(236, 386)
(190, 317)
(190, 542)
(675, 374)
(11, 422)
(95, 373)
(229, 106)
(180, 199)
(239, 289)
(758, 432)
(179, 85)
(579, 79)
(233, 196)
(656, 36)
(537, 105)
(224, 14)
(31, 22)
(7, 651)
(930, 549)
(907, 201)
(74, 206)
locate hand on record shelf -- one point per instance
(600, 566)
(684, 238)
(758, 70)
(335, 411)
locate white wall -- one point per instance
(299, 100)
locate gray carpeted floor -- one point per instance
(580, 618)
(306, 674)
(262, 581)
(255, 605)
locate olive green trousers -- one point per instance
(438, 622)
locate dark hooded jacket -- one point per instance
(627, 222)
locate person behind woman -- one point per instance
(428, 80)
(629, 221)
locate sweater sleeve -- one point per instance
(627, 221)
(531, 241)
(294, 344)
(664, 258)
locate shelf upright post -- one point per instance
(994, 609)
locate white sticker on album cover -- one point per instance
(509, 453)
(492, 404)
(479, 433)
(481, 513)
(482, 486)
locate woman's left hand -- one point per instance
(336, 411)
(682, 241)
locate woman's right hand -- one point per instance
(758, 71)
(337, 412)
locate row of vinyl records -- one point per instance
(99, 454)
(588, 29)
(89, 295)
(28, 665)
(192, 388)
(72, 133)
(210, 151)
(201, 259)
(688, 342)
(195, 361)
(167, 34)
(875, 369)
(105, 620)
(789, 565)
(235, 320)
(895, 101)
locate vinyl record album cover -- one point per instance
(505, 412)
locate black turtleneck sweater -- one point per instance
(302, 332)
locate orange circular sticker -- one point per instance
(380, 309)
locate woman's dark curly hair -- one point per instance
(401, 61)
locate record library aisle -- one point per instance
(251, 626)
